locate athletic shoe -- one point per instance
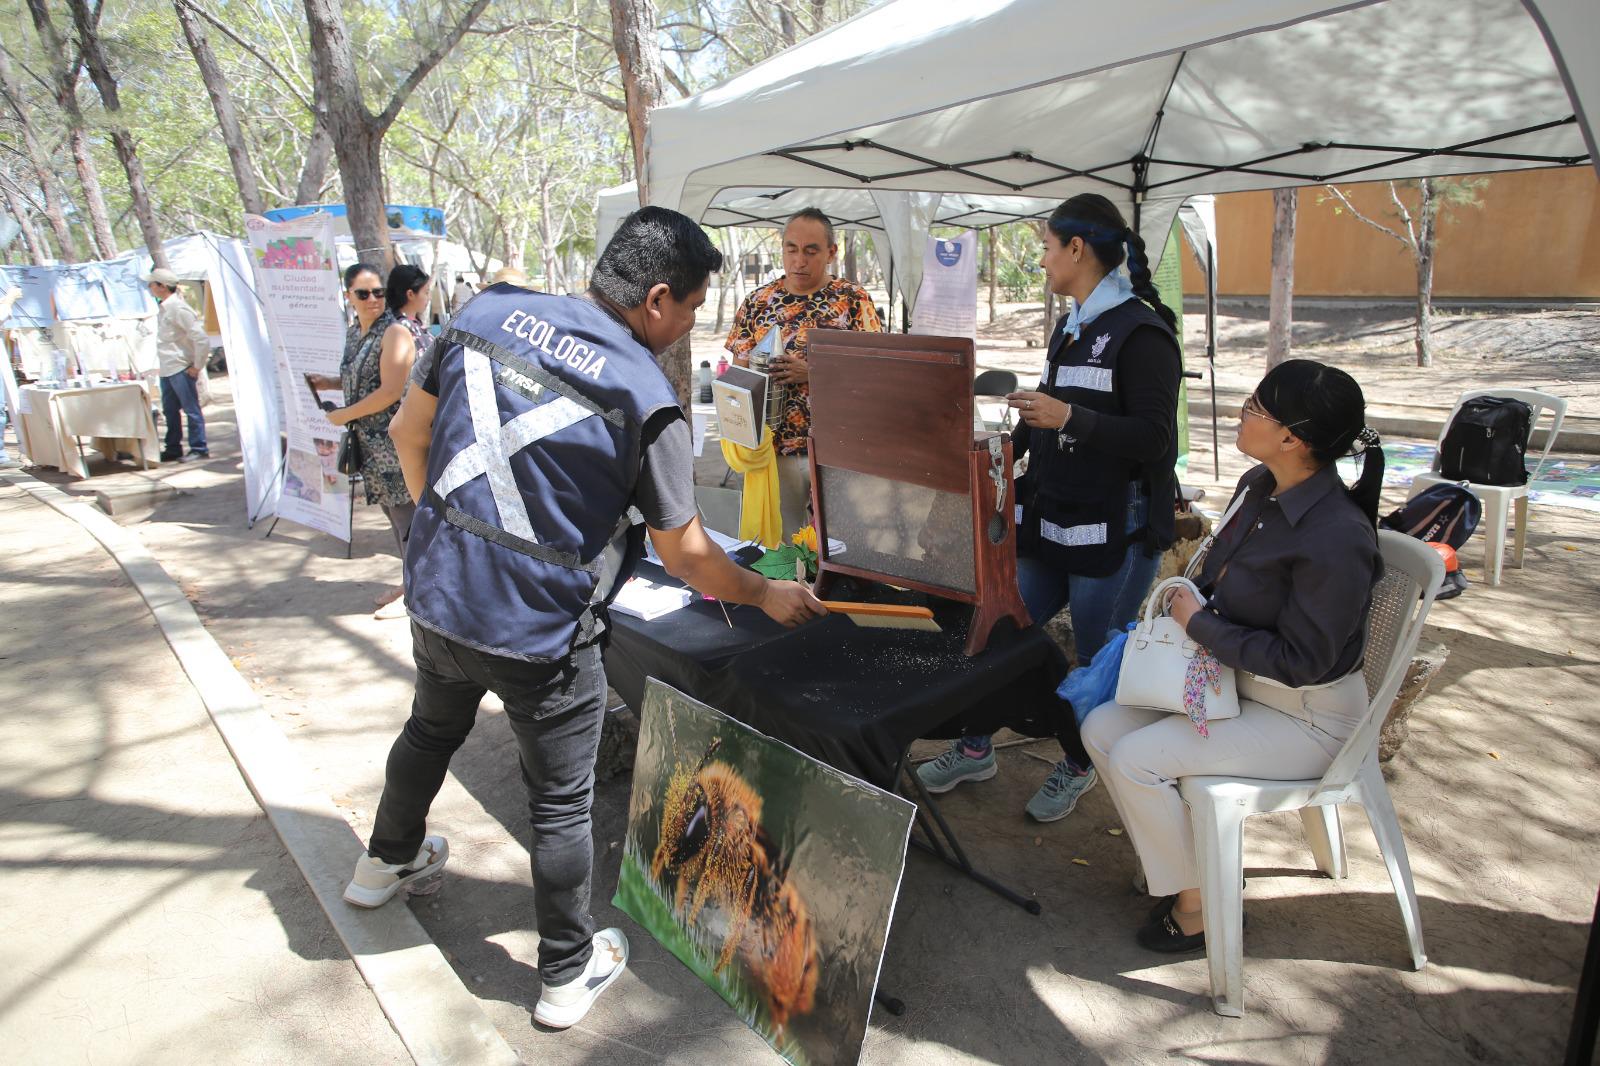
(565, 1005)
(1060, 793)
(954, 767)
(375, 882)
(196, 457)
(171, 457)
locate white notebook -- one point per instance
(643, 598)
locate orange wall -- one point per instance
(1537, 234)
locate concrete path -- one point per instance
(151, 914)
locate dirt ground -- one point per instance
(1495, 791)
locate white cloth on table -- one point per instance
(115, 417)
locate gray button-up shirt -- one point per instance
(1290, 581)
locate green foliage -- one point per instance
(641, 898)
(513, 134)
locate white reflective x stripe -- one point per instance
(490, 453)
(1097, 378)
(1073, 536)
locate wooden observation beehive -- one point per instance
(899, 477)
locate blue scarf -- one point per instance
(1115, 289)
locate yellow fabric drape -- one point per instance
(759, 517)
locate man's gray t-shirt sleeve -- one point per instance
(665, 492)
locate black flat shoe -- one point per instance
(1165, 937)
(1163, 908)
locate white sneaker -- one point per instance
(565, 1005)
(375, 882)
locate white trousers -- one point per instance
(1281, 734)
(794, 492)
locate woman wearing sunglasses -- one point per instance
(378, 351)
(1288, 583)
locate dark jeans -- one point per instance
(180, 395)
(1100, 606)
(555, 712)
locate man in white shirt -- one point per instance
(182, 348)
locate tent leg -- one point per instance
(1211, 355)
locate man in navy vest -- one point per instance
(540, 439)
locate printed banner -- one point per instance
(298, 284)
(947, 302)
(735, 848)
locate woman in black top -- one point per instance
(1289, 582)
(1101, 436)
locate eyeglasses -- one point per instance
(1253, 408)
(366, 294)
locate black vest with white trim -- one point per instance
(1074, 509)
(531, 472)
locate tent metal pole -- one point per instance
(889, 325)
(1211, 353)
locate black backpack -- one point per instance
(1444, 513)
(1487, 442)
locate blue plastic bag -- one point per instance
(1088, 687)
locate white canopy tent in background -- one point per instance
(1147, 102)
(223, 263)
(902, 218)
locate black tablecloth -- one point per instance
(852, 696)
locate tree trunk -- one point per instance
(64, 75)
(786, 24)
(314, 172)
(30, 237)
(244, 171)
(994, 269)
(850, 263)
(1280, 315)
(633, 34)
(725, 280)
(547, 249)
(105, 84)
(358, 133)
(1425, 250)
(94, 200)
(54, 213)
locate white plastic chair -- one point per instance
(1219, 805)
(1497, 499)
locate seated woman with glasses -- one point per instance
(1288, 582)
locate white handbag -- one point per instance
(1164, 670)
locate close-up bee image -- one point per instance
(713, 850)
(768, 874)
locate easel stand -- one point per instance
(349, 545)
(950, 851)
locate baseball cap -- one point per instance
(164, 276)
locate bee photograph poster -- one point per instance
(771, 875)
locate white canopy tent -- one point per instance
(1147, 102)
(902, 218)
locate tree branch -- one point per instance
(299, 93)
(1350, 207)
(425, 66)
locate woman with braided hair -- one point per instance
(1288, 582)
(1100, 432)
